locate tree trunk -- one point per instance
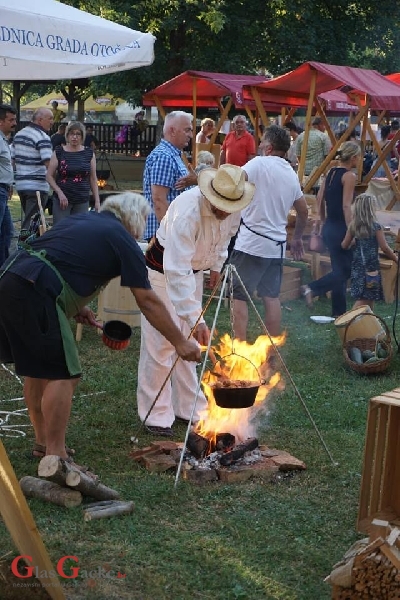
(32, 487)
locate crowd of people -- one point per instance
(194, 218)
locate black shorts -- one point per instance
(256, 273)
(30, 335)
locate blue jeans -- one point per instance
(6, 225)
(335, 281)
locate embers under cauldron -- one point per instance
(224, 444)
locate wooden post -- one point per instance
(42, 226)
(311, 97)
(20, 523)
(194, 151)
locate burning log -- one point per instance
(224, 441)
(198, 445)
(32, 487)
(238, 451)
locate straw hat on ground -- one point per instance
(226, 188)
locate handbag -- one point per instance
(372, 280)
(316, 242)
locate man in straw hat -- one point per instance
(261, 241)
(193, 235)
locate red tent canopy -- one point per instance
(394, 77)
(336, 101)
(210, 88)
(289, 88)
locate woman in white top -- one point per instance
(207, 128)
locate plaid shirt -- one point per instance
(318, 148)
(164, 166)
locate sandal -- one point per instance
(163, 431)
(39, 451)
(307, 294)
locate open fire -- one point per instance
(223, 445)
(237, 389)
(249, 363)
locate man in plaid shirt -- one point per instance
(165, 174)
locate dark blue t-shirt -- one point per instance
(88, 250)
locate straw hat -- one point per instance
(226, 188)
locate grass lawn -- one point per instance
(249, 541)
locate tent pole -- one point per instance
(194, 94)
(259, 105)
(310, 104)
(313, 178)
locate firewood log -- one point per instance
(32, 487)
(100, 512)
(57, 469)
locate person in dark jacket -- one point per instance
(52, 280)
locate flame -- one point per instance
(239, 360)
(101, 183)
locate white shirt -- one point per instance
(6, 170)
(277, 188)
(193, 239)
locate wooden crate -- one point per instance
(380, 487)
(389, 274)
(291, 283)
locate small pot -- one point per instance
(103, 174)
(116, 335)
(226, 397)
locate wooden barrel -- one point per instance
(117, 303)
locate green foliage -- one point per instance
(238, 36)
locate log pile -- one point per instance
(65, 484)
(370, 569)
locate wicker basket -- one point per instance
(369, 344)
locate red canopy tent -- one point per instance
(207, 88)
(395, 77)
(366, 88)
(204, 89)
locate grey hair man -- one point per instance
(261, 241)
(238, 146)
(31, 152)
(165, 173)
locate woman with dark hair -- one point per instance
(335, 198)
(72, 174)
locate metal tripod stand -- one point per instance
(103, 159)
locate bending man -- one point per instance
(193, 235)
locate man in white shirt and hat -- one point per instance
(193, 236)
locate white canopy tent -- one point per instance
(47, 41)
